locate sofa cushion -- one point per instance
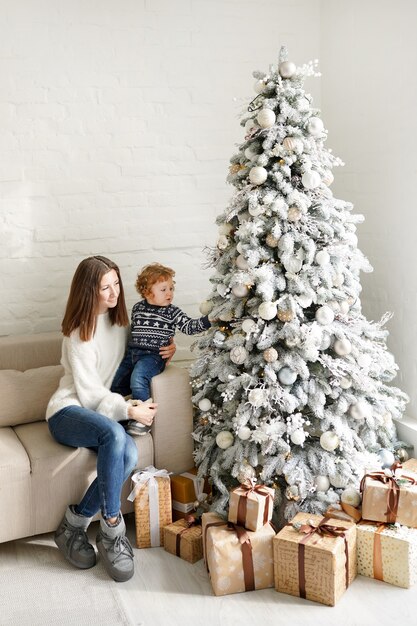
(25, 395)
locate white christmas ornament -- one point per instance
(219, 337)
(322, 258)
(256, 210)
(334, 306)
(204, 405)
(325, 342)
(240, 291)
(293, 144)
(361, 410)
(256, 397)
(224, 439)
(225, 228)
(315, 126)
(345, 382)
(238, 355)
(324, 315)
(266, 118)
(322, 483)
(298, 437)
(259, 86)
(258, 175)
(364, 360)
(287, 376)
(205, 307)
(248, 325)
(311, 179)
(351, 496)
(344, 307)
(270, 355)
(329, 441)
(267, 310)
(338, 481)
(241, 262)
(250, 153)
(294, 214)
(386, 458)
(293, 265)
(342, 347)
(222, 242)
(244, 433)
(287, 69)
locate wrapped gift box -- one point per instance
(251, 506)
(184, 540)
(390, 496)
(410, 465)
(312, 563)
(388, 553)
(185, 490)
(151, 497)
(237, 559)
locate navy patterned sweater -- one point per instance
(153, 326)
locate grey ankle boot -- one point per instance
(115, 550)
(71, 538)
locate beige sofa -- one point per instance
(39, 477)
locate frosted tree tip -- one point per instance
(283, 54)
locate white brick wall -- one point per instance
(117, 121)
(369, 96)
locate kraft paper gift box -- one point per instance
(184, 540)
(237, 559)
(185, 490)
(410, 465)
(390, 496)
(388, 552)
(151, 497)
(316, 560)
(251, 505)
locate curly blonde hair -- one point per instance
(151, 274)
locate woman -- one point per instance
(83, 412)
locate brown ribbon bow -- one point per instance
(377, 556)
(324, 530)
(249, 487)
(246, 548)
(393, 495)
(191, 521)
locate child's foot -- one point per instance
(135, 428)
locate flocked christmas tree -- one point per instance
(290, 383)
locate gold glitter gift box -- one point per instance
(316, 560)
(184, 540)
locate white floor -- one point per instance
(167, 591)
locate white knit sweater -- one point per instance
(89, 370)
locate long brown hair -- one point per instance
(82, 304)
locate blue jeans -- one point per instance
(135, 373)
(117, 455)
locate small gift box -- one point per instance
(315, 558)
(388, 553)
(251, 505)
(390, 496)
(184, 539)
(151, 496)
(186, 488)
(410, 465)
(237, 559)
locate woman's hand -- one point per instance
(167, 352)
(143, 413)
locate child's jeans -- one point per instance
(135, 372)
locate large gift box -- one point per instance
(251, 505)
(237, 559)
(151, 497)
(390, 496)
(315, 558)
(388, 553)
(186, 488)
(184, 540)
(411, 465)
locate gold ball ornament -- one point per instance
(285, 315)
(203, 421)
(294, 214)
(236, 168)
(402, 455)
(271, 241)
(270, 355)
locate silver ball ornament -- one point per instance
(244, 433)
(267, 310)
(206, 306)
(266, 118)
(351, 496)
(329, 441)
(386, 458)
(322, 258)
(258, 175)
(287, 69)
(298, 437)
(324, 315)
(241, 262)
(342, 347)
(311, 179)
(224, 439)
(240, 291)
(248, 325)
(287, 376)
(322, 483)
(204, 405)
(238, 355)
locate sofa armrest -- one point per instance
(173, 423)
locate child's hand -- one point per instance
(167, 352)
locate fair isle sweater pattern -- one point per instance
(153, 326)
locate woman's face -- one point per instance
(109, 292)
